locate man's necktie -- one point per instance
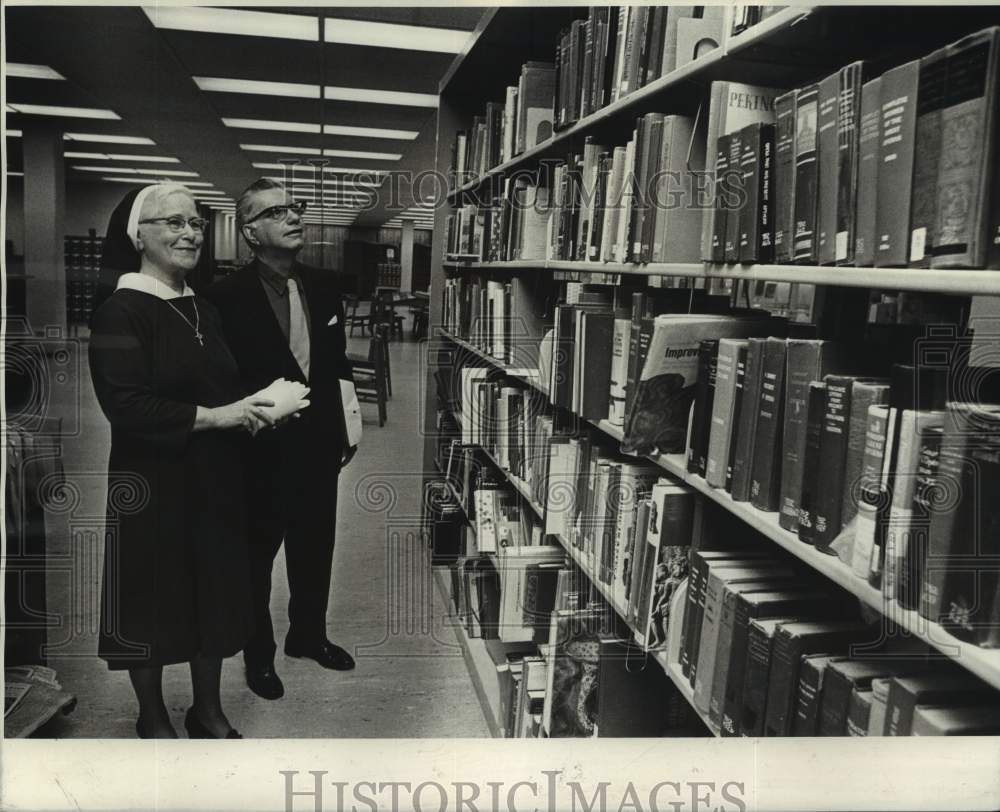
(298, 330)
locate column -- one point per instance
(406, 257)
(44, 229)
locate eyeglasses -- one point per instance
(277, 213)
(178, 223)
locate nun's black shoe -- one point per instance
(196, 730)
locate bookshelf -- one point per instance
(792, 48)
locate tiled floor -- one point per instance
(411, 680)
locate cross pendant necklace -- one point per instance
(197, 319)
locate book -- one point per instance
(674, 14)
(675, 226)
(926, 494)
(724, 197)
(619, 367)
(784, 176)
(952, 688)
(659, 415)
(805, 236)
(807, 360)
(746, 421)
(701, 419)
(842, 679)
(859, 709)
(965, 223)
(766, 466)
(961, 721)
(813, 463)
(826, 162)
(734, 194)
(848, 134)
(931, 99)
(809, 695)
(869, 136)
(871, 488)
(732, 106)
(596, 346)
(722, 411)
(738, 408)
(864, 393)
(894, 180)
(783, 602)
(961, 584)
(760, 643)
(791, 641)
(535, 96)
(877, 709)
(573, 673)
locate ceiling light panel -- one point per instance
(277, 126)
(177, 173)
(281, 150)
(296, 90)
(235, 22)
(104, 156)
(356, 153)
(284, 89)
(24, 71)
(65, 112)
(151, 181)
(329, 170)
(13, 133)
(370, 132)
(101, 138)
(392, 35)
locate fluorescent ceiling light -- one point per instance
(151, 181)
(392, 35)
(23, 71)
(329, 170)
(368, 96)
(177, 173)
(356, 153)
(369, 132)
(15, 174)
(12, 133)
(66, 112)
(101, 138)
(283, 150)
(105, 156)
(231, 21)
(279, 126)
(286, 89)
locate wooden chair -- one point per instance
(384, 313)
(371, 374)
(353, 318)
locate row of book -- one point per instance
(515, 226)
(768, 653)
(897, 170)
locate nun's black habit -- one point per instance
(176, 573)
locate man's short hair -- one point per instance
(243, 204)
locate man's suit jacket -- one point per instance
(315, 441)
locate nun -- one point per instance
(176, 582)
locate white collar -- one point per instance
(147, 284)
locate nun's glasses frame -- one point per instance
(177, 223)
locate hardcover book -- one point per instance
(827, 160)
(813, 464)
(766, 469)
(804, 239)
(704, 396)
(955, 688)
(722, 411)
(746, 423)
(868, 168)
(812, 674)
(756, 225)
(864, 393)
(848, 133)
(784, 176)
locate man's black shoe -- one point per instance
(263, 681)
(327, 654)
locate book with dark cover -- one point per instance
(655, 29)
(812, 674)
(827, 151)
(722, 199)
(784, 176)
(738, 406)
(535, 98)
(746, 422)
(804, 239)
(859, 710)
(906, 692)
(829, 496)
(848, 132)
(701, 421)
(864, 393)
(813, 464)
(734, 195)
(961, 584)
(766, 470)
(587, 73)
(648, 149)
(791, 641)
(758, 668)
(597, 332)
(806, 360)
(723, 411)
(868, 168)
(964, 223)
(876, 713)
(894, 180)
(756, 226)
(630, 701)
(926, 494)
(931, 99)
(561, 393)
(871, 489)
(842, 678)
(956, 721)
(727, 694)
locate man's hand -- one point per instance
(348, 456)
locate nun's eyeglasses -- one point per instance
(277, 213)
(178, 223)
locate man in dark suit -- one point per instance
(283, 319)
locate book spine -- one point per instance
(848, 133)
(736, 201)
(833, 707)
(782, 684)
(784, 176)
(644, 250)
(764, 236)
(870, 489)
(764, 484)
(926, 493)
(863, 395)
(732, 702)
(807, 699)
(826, 196)
(722, 150)
(868, 166)
(692, 617)
(746, 434)
(701, 424)
(828, 498)
(739, 404)
(720, 428)
(587, 76)
(806, 175)
(619, 371)
(932, 92)
(755, 683)
(813, 464)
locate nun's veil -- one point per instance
(119, 255)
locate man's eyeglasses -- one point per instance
(178, 223)
(277, 213)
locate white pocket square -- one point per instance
(332, 322)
